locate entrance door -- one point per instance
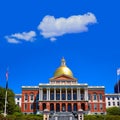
(57, 107)
(44, 106)
(69, 107)
(51, 107)
(75, 107)
(83, 106)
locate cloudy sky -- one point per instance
(36, 34)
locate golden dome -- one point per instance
(63, 70)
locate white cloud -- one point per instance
(18, 37)
(53, 39)
(52, 27)
(12, 40)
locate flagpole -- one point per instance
(5, 104)
(118, 75)
(5, 109)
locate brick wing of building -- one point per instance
(63, 93)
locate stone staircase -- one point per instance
(63, 116)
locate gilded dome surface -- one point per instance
(63, 70)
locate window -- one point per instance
(25, 107)
(118, 103)
(31, 106)
(113, 103)
(44, 96)
(58, 96)
(113, 98)
(109, 104)
(31, 97)
(101, 106)
(18, 98)
(69, 96)
(100, 96)
(82, 96)
(95, 106)
(89, 96)
(95, 97)
(108, 98)
(89, 106)
(18, 103)
(74, 96)
(51, 96)
(117, 98)
(63, 96)
(26, 97)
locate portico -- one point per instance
(70, 93)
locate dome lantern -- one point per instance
(63, 63)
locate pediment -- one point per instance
(63, 77)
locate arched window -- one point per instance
(25, 106)
(75, 107)
(94, 96)
(63, 107)
(100, 96)
(44, 106)
(89, 96)
(26, 97)
(57, 107)
(31, 106)
(95, 106)
(101, 106)
(89, 106)
(83, 106)
(69, 107)
(31, 97)
(51, 107)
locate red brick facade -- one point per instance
(93, 106)
(29, 106)
(98, 104)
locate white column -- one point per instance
(71, 93)
(60, 93)
(47, 94)
(54, 93)
(66, 93)
(86, 94)
(78, 93)
(39, 93)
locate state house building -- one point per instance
(63, 93)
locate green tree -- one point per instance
(113, 111)
(10, 102)
(11, 107)
(2, 99)
(17, 109)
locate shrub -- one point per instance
(21, 117)
(113, 111)
(102, 117)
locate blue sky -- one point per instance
(36, 34)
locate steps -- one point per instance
(62, 116)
